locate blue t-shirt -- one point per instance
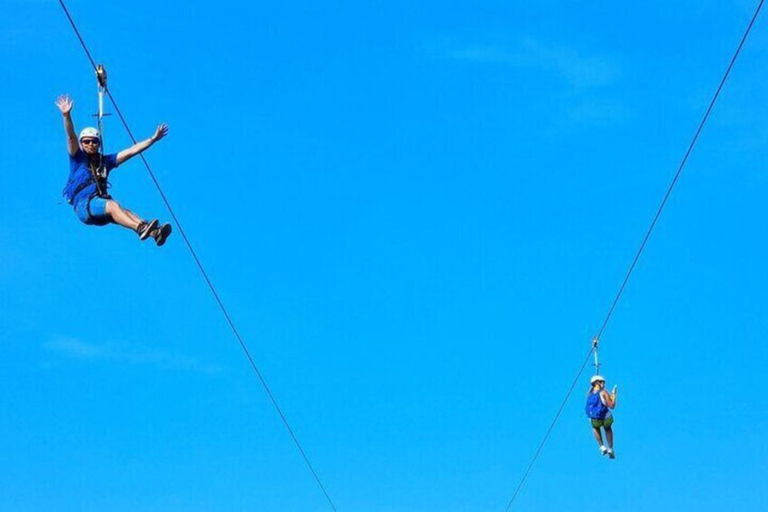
(81, 185)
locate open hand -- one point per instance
(161, 132)
(65, 104)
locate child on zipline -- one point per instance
(598, 409)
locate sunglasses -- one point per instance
(89, 141)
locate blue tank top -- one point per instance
(595, 407)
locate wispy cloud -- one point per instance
(581, 80)
(579, 70)
(79, 349)
(594, 111)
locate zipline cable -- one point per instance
(549, 430)
(680, 168)
(208, 281)
(642, 247)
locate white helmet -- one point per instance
(596, 378)
(90, 132)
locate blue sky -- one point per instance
(417, 216)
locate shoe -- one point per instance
(604, 450)
(160, 234)
(611, 455)
(144, 228)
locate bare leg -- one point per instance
(598, 435)
(133, 215)
(125, 218)
(609, 436)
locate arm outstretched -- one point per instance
(137, 148)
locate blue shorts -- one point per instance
(93, 211)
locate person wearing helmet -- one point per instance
(598, 409)
(89, 169)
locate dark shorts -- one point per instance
(93, 212)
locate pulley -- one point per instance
(101, 76)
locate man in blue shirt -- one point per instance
(89, 170)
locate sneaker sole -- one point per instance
(150, 226)
(165, 230)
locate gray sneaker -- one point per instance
(145, 228)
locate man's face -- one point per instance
(90, 145)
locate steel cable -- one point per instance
(208, 281)
(642, 247)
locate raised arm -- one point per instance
(65, 104)
(609, 399)
(137, 148)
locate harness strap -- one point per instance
(101, 182)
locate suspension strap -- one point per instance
(101, 79)
(595, 341)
